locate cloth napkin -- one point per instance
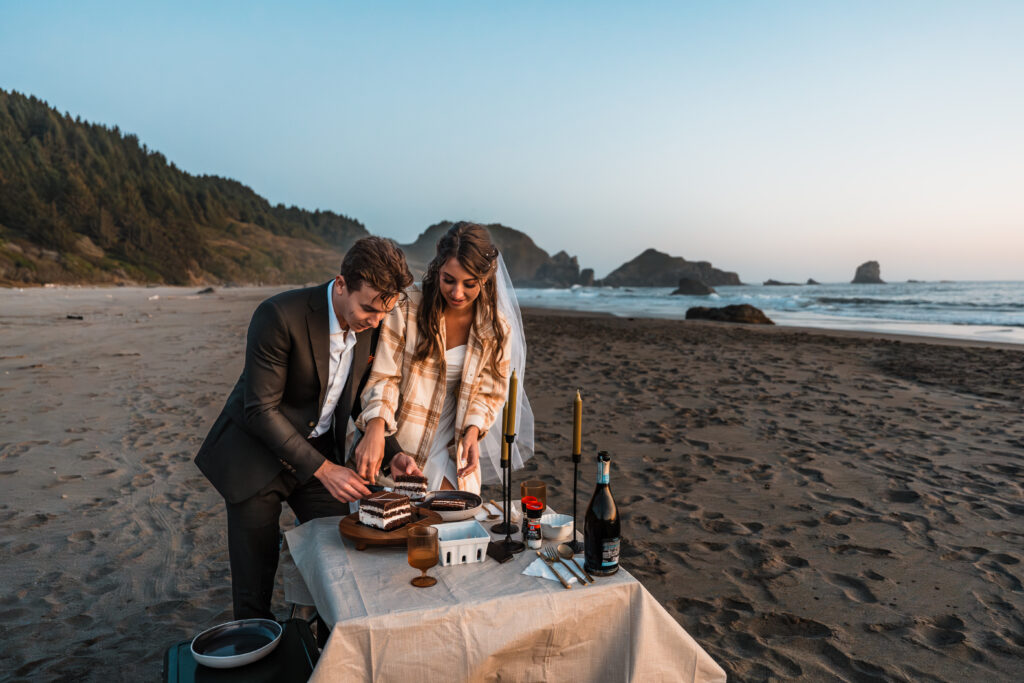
(541, 568)
(488, 509)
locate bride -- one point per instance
(441, 372)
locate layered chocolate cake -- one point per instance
(448, 504)
(411, 485)
(385, 510)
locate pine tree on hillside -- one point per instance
(63, 181)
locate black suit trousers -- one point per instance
(254, 537)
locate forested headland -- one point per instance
(87, 203)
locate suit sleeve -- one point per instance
(268, 346)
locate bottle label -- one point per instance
(610, 553)
(603, 472)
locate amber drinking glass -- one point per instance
(535, 488)
(422, 544)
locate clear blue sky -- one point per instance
(776, 139)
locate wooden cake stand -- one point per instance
(364, 536)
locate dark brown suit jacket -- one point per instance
(276, 402)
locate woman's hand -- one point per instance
(470, 451)
(403, 463)
(369, 452)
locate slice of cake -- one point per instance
(385, 510)
(448, 504)
(411, 485)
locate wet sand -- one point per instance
(808, 505)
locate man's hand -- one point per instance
(403, 463)
(470, 451)
(341, 482)
(369, 452)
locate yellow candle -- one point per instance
(577, 424)
(504, 426)
(513, 386)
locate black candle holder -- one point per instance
(506, 527)
(575, 544)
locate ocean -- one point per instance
(985, 311)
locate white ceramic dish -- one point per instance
(473, 503)
(236, 643)
(556, 527)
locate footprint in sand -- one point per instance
(142, 480)
(784, 625)
(998, 575)
(851, 549)
(854, 589)
(16, 450)
(84, 536)
(941, 631)
(98, 573)
(903, 496)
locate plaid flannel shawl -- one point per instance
(409, 394)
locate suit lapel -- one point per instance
(318, 326)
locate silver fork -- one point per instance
(552, 555)
(551, 563)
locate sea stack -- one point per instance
(869, 273)
(693, 287)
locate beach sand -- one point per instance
(808, 505)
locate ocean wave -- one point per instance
(868, 301)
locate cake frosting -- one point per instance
(411, 485)
(385, 510)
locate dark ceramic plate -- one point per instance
(473, 503)
(236, 643)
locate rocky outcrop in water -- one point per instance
(742, 313)
(868, 273)
(653, 268)
(528, 265)
(691, 287)
(775, 283)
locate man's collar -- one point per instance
(333, 325)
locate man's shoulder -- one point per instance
(295, 297)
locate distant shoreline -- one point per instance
(258, 292)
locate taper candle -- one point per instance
(577, 424)
(513, 389)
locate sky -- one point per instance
(785, 140)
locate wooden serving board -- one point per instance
(364, 536)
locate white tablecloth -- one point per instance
(483, 621)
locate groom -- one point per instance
(281, 433)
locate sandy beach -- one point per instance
(808, 506)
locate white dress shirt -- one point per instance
(342, 344)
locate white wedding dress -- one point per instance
(439, 465)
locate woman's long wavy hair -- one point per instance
(471, 244)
